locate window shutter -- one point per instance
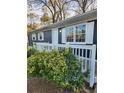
(89, 32)
(63, 35)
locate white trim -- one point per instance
(63, 35)
(73, 43)
(33, 36)
(92, 69)
(73, 34)
(55, 36)
(40, 34)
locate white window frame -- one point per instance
(40, 34)
(74, 32)
(88, 34)
(73, 35)
(33, 36)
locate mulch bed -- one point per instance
(40, 85)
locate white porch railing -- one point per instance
(85, 53)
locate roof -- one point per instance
(88, 16)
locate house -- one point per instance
(78, 32)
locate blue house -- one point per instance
(78, 32)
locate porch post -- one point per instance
(92, 68)
(54, 38)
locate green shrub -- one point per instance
(31, 51)
(49, 65)
(74, 75)
(33, 68)
(60, 67)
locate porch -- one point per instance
(85, 53)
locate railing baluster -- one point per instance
(82, 53)
(75, 51)
(79, 53)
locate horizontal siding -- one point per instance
(48, 36)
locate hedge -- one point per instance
(61, 67)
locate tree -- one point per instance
(34, 26)
(85, 5)
(32, 17)
(30, 14)
(56, 8)
(45, 19)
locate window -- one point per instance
(69, 34)
(75, 34)
(33, 36)
(40, 36)
(80, 33)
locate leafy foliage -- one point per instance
(74, 75)
(60, 67)
(31, 51)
